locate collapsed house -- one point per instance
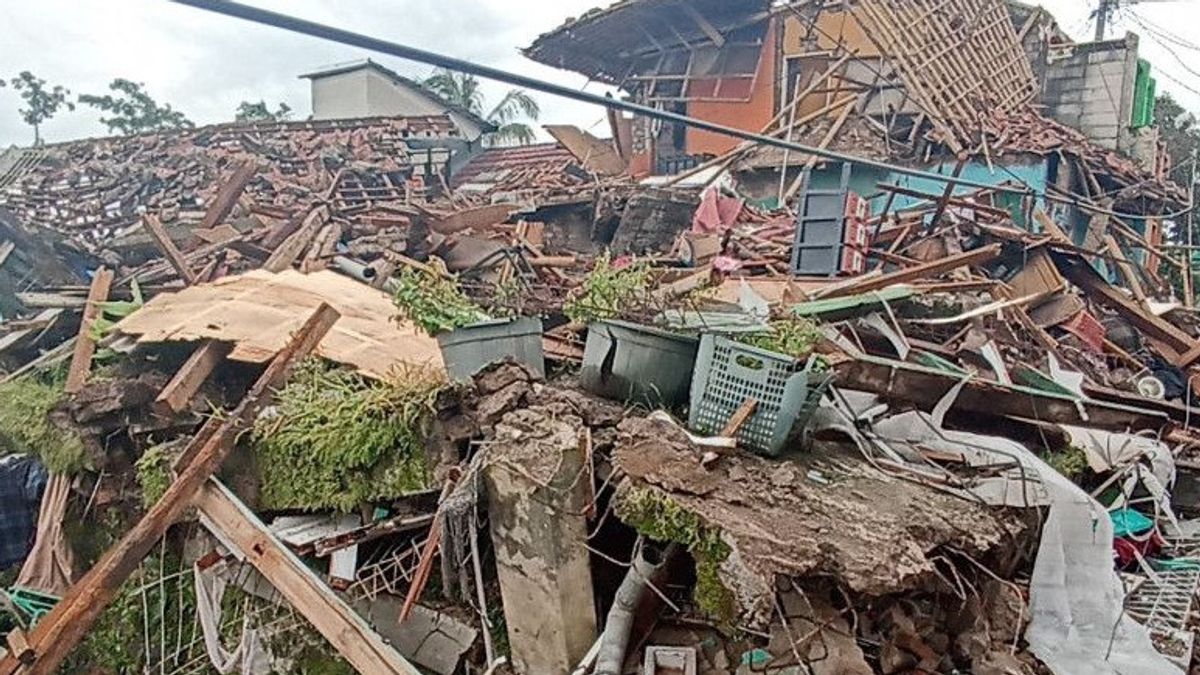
(356, 393)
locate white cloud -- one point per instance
(204, 64)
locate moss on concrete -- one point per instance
(660, 518)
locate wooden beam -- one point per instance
(1125, 268)
(924, 270)
(475, 217)
(227, 196)
(159, 234)
(286, 253)
(59, 631)
(704, 24)
(1156, 328)
(191, 375)
(353, 637)
(85, 346)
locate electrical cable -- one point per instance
(322, 31)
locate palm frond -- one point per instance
(513, 133)
(515, 104)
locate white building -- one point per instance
(367, 89)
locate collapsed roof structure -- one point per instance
(365, 393)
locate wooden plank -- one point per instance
(480, 216)
(286, 253)
(85, 346)
(227, 196)
(191, 376)
(159, 234)
(59, 631)
(18, 646)
(1173, 338)
(1125, 268)
(6, 250)
(703, 23)
(739, 417)
(924, 270)
(353, 637)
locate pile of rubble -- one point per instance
(306, 396)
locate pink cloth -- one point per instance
(716, 212)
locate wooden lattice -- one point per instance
(960, 59)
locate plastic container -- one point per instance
(727, 373)
(633, 363)
(469, 349)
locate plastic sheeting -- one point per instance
(1077, 622)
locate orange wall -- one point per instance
(750, 115)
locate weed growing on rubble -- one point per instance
(434, 302)
(796, 337)
(154, 472)
(336, 439)
(1069, 461)
(25, 426)
(608, 291)
(663, 519)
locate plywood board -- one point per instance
(258, 310)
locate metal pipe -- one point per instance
(311, 28)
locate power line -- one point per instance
(313, 29)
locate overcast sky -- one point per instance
(205, 64)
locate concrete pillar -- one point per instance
(536, 497)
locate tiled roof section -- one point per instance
(99, 188)
(539, 174)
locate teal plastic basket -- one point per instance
(787, 390)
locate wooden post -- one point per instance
(59, 631)
(157, 232)
(85, 346)
(191, 375)
(346, 631)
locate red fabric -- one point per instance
(1124, 550)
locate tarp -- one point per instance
(22, 480)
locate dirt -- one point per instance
(825, 514)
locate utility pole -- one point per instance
(1105, 8)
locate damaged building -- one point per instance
(902, 385)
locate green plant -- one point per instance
(154, 472)
(1070, 461)
(793, 336)
(25, 426)
(660, 518)
(41, 101)
(133, 110)
(336, 440)
(608, 291)
(434, 302)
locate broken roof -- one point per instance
(603, 44)
(521, 172)
(397, 78)
(99, 188)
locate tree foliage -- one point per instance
(41, 101)
(508, 115)
(1179, 130)
(259, 112)
(133, 111)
